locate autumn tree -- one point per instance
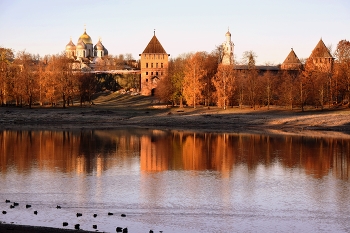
(288, 88)
(87, 83)
(6, 59)
(266, 89)
(171, 87)
(63, 82)
(241, 84)
(211, 67)
(28, 77)
(251, 75)
(165, 90)
(341, 82)
(224, 82)
(194, 72)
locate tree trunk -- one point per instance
(30, 101)
(64, 100)
(181, 102)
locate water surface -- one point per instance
(175, 181)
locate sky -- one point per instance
(269, 28)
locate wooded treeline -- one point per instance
(193, 79)
(199, 78)
(27, 79)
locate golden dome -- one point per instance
(86, 38)
(70, 45)
(81, 44)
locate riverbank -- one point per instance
(34, 229)
(115, 111)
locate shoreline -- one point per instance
(14, 228)
(334, 123)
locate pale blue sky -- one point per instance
(270, 28)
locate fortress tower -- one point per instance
(291, 62)
(321, 57)
(154, 66)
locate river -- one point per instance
(175, 181)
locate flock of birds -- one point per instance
(76, 226)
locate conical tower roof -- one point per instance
(154, 46)
(292, 58)
(321, 51)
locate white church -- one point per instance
(85, 55)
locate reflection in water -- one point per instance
(177, 181)
(67, 151)
(88, 151)
(222, 152)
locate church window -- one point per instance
(156, 65)
(101, 53)
(146, 80)
(84, 53)
(146, 73)
(161, 73)
(147, 65)
(161, 65)
(151, 65)
(151, 73)
(157, 73)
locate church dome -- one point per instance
(228, 33)
(86, 38)
(99, 46)
(81, 44)
(70, 45)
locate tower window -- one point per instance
(161, 65)
(146, 80)
(147, 65)
(151, 65)
(151, 73)
(146, 73)
(157, 73)
(156, 65)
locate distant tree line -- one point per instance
(200, 79)
(27, 79)
(193, 79)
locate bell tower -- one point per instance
(227, 50)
